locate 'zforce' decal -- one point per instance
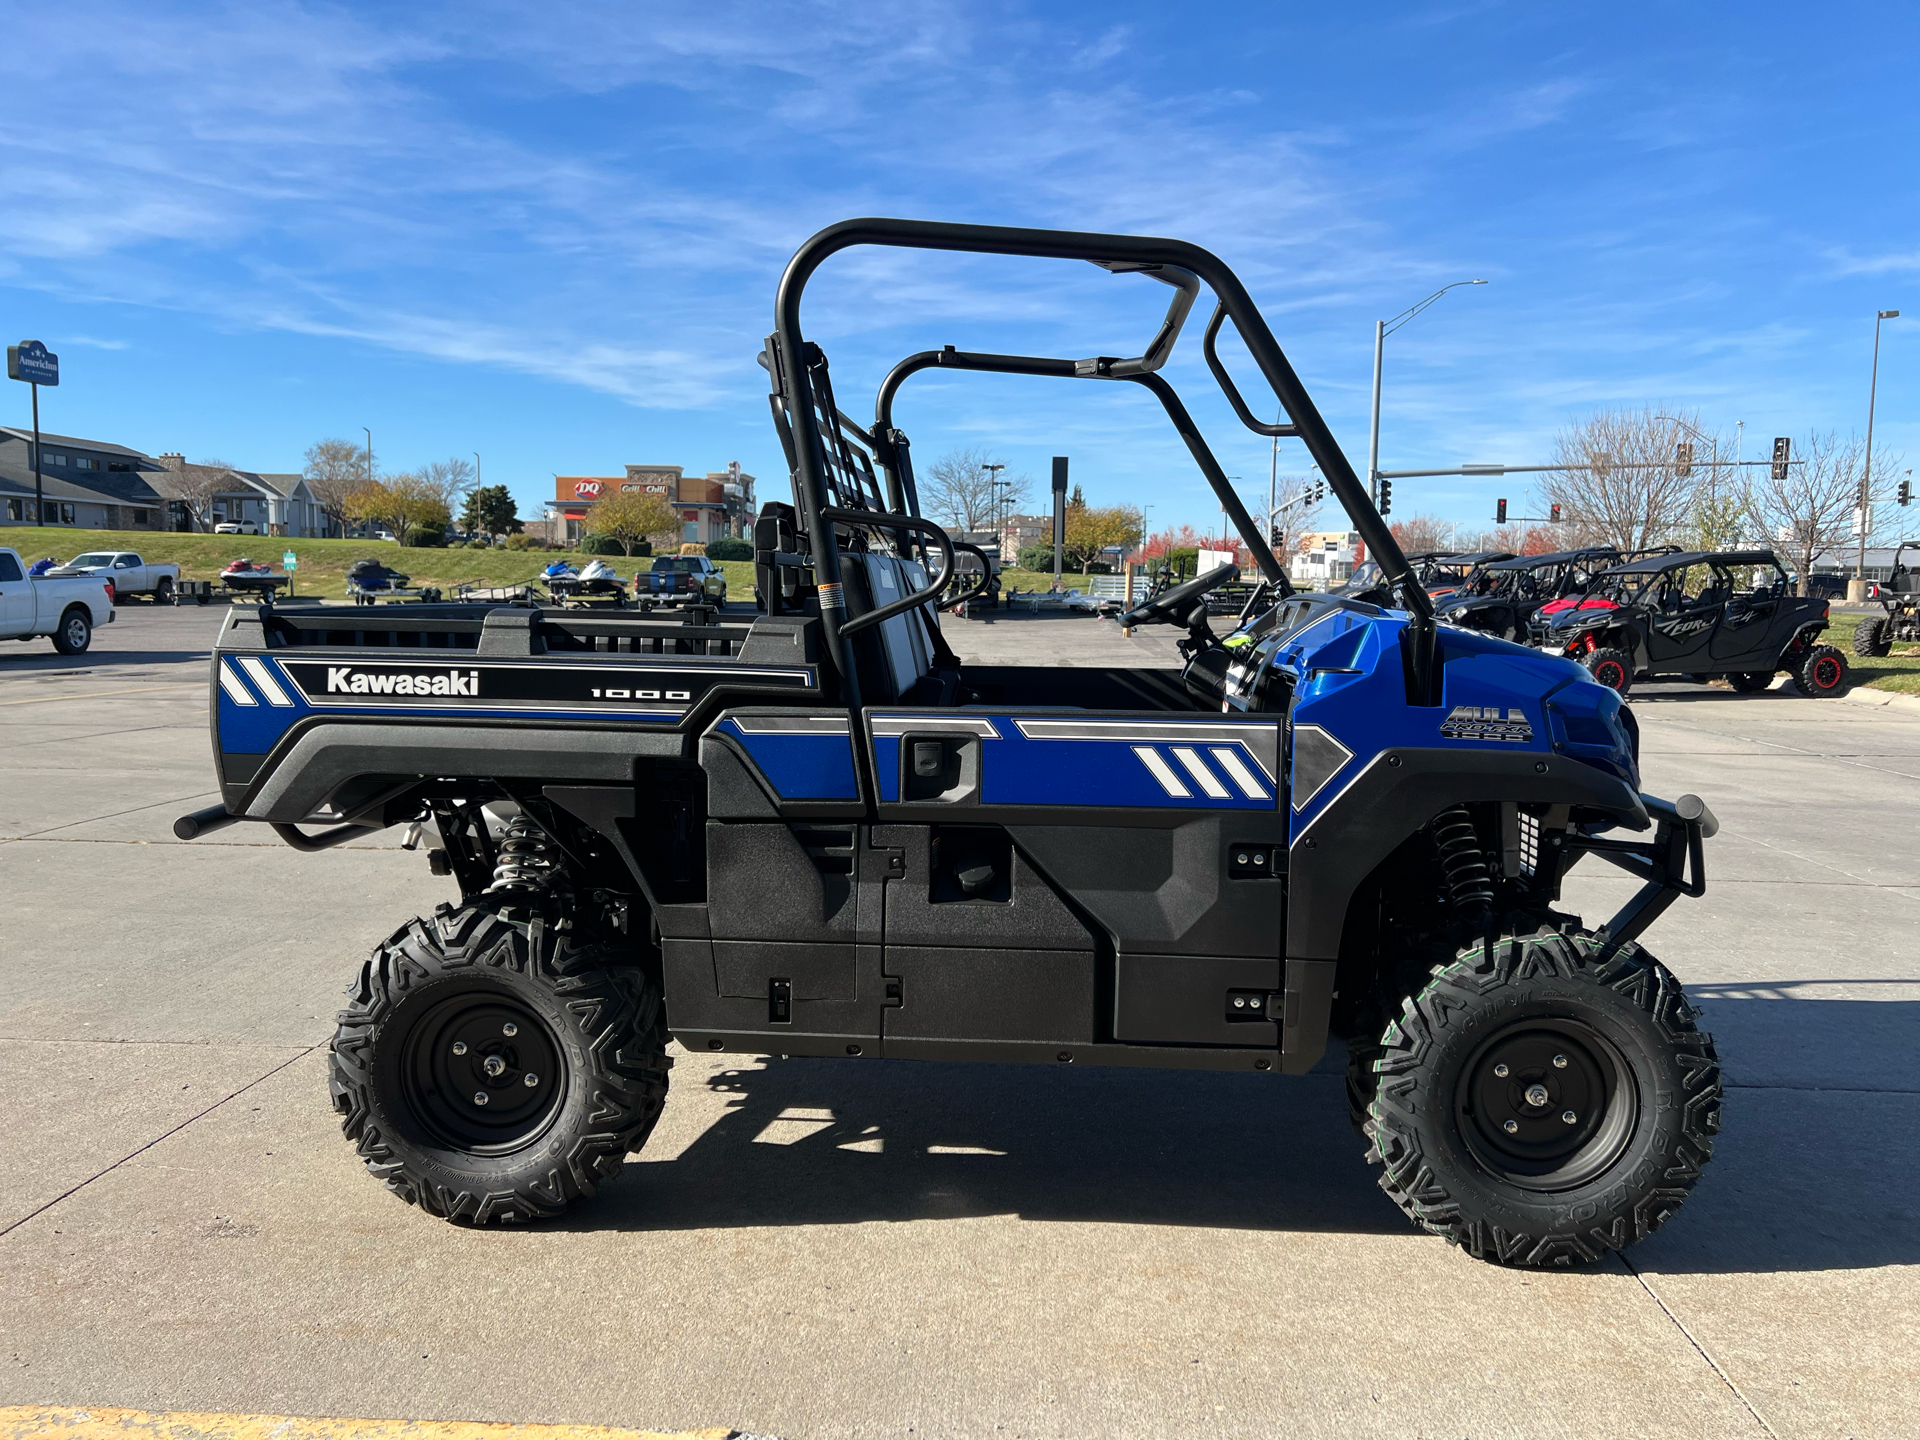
(1484, 722)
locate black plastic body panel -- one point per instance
(1397, 794)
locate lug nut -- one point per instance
(1537, 1095)
(531, 1080)
(509, 1029)
(480, 1097)
(496, 1067)
(1512, 1127)
(1569, 1117)
(1500, 1070)
(459, 1047)
(1559, 1062)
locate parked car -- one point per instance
(682, 575)
(237, 527)
(1699, 614)
(67, 607)
(127, 573)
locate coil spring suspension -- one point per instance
(525, 858)
(1469, 881)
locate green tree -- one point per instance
(630, 517)
(490, 511)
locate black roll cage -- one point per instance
(790, 361)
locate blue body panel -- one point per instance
(812, 761)
(1349, 680)
(1196, 762)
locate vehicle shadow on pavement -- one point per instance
(1814, 1168)
(812, 1142)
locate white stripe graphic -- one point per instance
(235, 691)
(1197, 768)
(1163, 772)
(1231, 762)
(258, 672)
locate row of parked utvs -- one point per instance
(1664, 613)
(812, 830)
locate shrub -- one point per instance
(479, 545)
(520, 542)
(426, 538)
(1037, 557)
(601, 545)
(730, 549)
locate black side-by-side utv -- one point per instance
(1899, 596)
(814, 831)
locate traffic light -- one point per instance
(1904, 495)
(1319, 491)
(1386, 497)
(1683, 458)
(1500, 512)
(1277, 538)
(1782, 453)
(1553, 514)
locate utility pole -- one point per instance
(1857, 588)
(1382, 329)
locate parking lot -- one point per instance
(814, 1249)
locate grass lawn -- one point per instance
(322, 569)
(1898, 672)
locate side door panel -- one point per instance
(1678, 637)
(1131, 824)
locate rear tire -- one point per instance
(1477, 1075)
(470, 1004)
(163, 591)
(1822, 672)
(1749, 681)
(75, 632)
(1872, 638)
(1612, 668)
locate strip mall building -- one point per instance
(714, 506)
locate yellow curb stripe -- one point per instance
(107, 694)
(34, 1422)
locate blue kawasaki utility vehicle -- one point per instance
(811, 830)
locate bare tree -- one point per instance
(334, 470)
(1418, 534)
(449, 480)
(1632, 493)
(1811, 511)
(195, 485)
(958, 490)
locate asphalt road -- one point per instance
(812, 1249)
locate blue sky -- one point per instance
(550, 233)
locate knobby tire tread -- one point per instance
(619, 1044)
(1402, 1105)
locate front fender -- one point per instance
(1398, 793)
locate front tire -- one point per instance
(75, 632)
(1612, 668)
(1475, 1081)
(1872, 639)
(1749, 682)
(491, 1068)
(1822, 672)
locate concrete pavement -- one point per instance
(812, 1249)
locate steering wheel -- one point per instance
(1175, 606)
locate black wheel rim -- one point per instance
(1516, 1094)
(1610, 674)
(482, 1042)
(1826, 672)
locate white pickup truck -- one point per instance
(126, 572)
(67, 608)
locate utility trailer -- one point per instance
(816, 832)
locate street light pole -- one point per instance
(993, 492)
(1382, 329)
(1866, 475)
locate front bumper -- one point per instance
(1665, 863)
